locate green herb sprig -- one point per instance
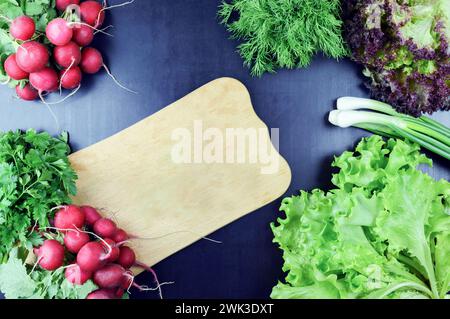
(35, 176)
(284, 33)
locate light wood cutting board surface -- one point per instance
(133, 177)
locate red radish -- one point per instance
(113, 255)
(13, 70)
(83, 35)
(67, 55)
(119, 292)
(45, 80)
(127, 282)
(91, 60)
(32, 56)
(59, 32)
(91, 214)
(76, 276)
(101, 294)
(105, 228)
(27, 93)
(69, 217)
(127, 257)
(109, 276)
(91, 256)
(62, 5)
(50, 255)
(120, 236)
(75, 240)
(92, 13)
(22, 28)
(71, 78)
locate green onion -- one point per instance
(380, 118)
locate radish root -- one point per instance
(33, 228)
(64, 74)
(129, 274)
(6, 81)
(116, 81)
(81, 231)
(122, 243)
(35, 265)
(155, 278)
(68, 96)
(178, 232)
(58, 207)
(105, 7)
(58, 127)
(103, 29)
(87, 25)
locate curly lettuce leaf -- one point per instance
(404, 48)
(374, 235)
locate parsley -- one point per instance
(284, 33)
(35, 176)
(42, 11)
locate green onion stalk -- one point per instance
(382, 119)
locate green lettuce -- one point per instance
(383, 232)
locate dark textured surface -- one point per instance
(164, 50)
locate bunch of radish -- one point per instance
(93, 248)
(58, 59)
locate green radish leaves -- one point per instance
(42, 11)
(18, 281)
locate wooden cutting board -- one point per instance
(133, 177)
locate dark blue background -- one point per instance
(164, 50)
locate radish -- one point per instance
(91, 214)
(83, 35)
(119, 293)
(109, 276)
(59, 32)
(74, 240)
(50, 255)
(45, 80)
(71, 78)
(32, 56)
(91, 60)
(101, 294)
(120, 236)
(69, 217)
(27, 93)
(91, 256)
(22, 28)
(13, 70)
(127, 257)
(76, 276)
(92, 13)
(62, 5)
(67, 55)
(105, 228)
(114, 252)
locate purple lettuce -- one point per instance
(404, 47)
